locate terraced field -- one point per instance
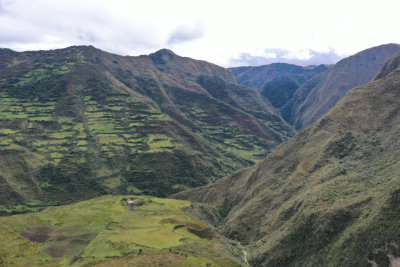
(106, 232)
(78, 123)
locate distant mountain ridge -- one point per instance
(316, 97)
(304, 94)
(257, 76)
(79, 122)
(327, 197)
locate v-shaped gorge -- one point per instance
(327, 197)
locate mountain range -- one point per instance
(327, 197)
(304, 94)
(79, 122)
(318, 95)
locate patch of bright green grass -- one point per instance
(13, 147)
(65, 119)
(83, 148)
(79, 127)
(159, 143)
(61, 134)
(115, 108)
(56, 155)
(9, 100)
(41, 118)
(102, 127)
(81, 135)
(82, 143)
(49, 142)
(12, 115)
(118, 232)
(39, 109)
(6, 131)
(111, 139)
(4, 141)
(96, 114)
(12, 108)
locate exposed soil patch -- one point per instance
(59, 242)
(37, 234)
(68, 245)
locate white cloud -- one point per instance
(302, 58)
(270, 55)
(217, 31)
(186, 32)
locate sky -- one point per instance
(227, 33)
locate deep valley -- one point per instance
(163, 160)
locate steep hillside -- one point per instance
(330, 195)
(280, 90)
(79, 122)
(107, 232)
(276, 82)
(318, 96)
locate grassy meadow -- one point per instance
(106, 232)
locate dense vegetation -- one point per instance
(78, 122)
(280, 90)
(327, 197)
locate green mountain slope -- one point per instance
(330, 195)
(77, 123)
(280, 90)
(318, 96)
(107, 232)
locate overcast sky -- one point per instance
(228, 33)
